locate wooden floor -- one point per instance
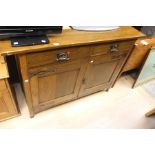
(121, 107)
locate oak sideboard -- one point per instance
(73, 65)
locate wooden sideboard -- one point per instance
(8, 106)
(73, 65)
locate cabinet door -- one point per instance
(7, 105)
(101, 71)
(54, 84)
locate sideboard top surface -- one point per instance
(70, 37)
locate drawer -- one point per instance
(2, 85)
(55, 56)
(112, 48)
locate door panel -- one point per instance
(101, 72)
(47, 88)
(58, 85)
(55, 87)
(68, 82)
(7, 108)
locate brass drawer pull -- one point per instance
(62, 56)
(114, 48)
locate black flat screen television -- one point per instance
(28, 35)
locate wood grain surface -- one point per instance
(69, 38)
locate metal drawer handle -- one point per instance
(114, 48)
(62, 56)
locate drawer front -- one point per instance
(112, 48)
(56, 56)
(2, 85)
